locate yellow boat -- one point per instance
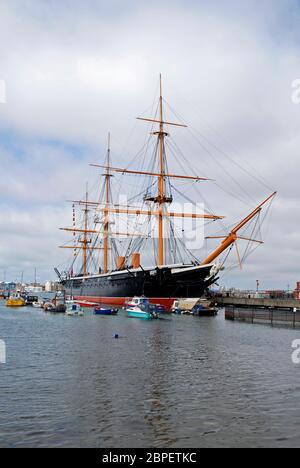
(15, 301)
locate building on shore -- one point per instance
(8, 286)
(34, 288)
(261, 294)
(52, 286)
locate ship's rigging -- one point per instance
(157, 197)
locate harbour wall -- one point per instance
(289, 304)
(269, 316)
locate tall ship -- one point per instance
(111, 264)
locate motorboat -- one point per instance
(105, 311)
(141, 308)
(73, 309)
(37, 305)
(15, 300)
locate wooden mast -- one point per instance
(107, 202)
(86, 203)
(161, 183)
(85, 240)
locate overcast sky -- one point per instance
(75, 70)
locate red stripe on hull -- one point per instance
(88, 301)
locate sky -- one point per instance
(73, 71)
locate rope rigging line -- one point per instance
(213, 158)
(193, 203)
(151, 110)
(255, 176)
(192, 169)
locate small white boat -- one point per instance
(73, 309)
(38, 305)
(138, 302)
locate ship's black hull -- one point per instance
(160, 283)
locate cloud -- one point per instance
(75, 70)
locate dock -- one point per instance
(263, 303)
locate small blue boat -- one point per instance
(104, 311)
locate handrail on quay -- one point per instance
(267, 316)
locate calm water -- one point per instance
(181, 382)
